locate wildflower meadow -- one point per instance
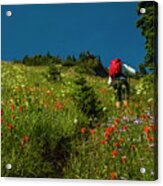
(70, 128)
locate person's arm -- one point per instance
(110, 81)
(130, 71)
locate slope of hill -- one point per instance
(46, 134)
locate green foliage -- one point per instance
(142, 69)
(40, 121)
(70, 61)
(54, 73)
(39, 60)
(47, 132)
(89, 64)
(83, 69)
(145, 86)
(86, 98)
(148, 23)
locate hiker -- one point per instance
(119, 74)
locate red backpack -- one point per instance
(115, 68)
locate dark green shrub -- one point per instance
(70, 61)
(54, 73)
(86, 99)
(84, 70)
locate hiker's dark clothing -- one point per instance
(121, 89)
(121, 84)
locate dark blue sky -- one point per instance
(105, 29)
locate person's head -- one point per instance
(118, 59)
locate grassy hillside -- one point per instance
(46, 134)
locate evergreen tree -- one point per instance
(142, 69)
(149, 29)
(73, 58)
(54, 73)
(86, 98)
(26, 59)
(69, 61)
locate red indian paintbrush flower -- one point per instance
(114, 153)
(109, 130)
(150, 138)
(124, 127)
(107, 134)
(12, 107)
(131, 113)
(143, 116)
(115, 144)
(93, 131)
(114, 127)
(59, 105)
(121, 140)
(10, 126)
(116, 120)
(113, 175)
(26, 138)
(146, 129)
(82, 130)
(152, 126)
(123, 159)
(21, 108)
(103, 141)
